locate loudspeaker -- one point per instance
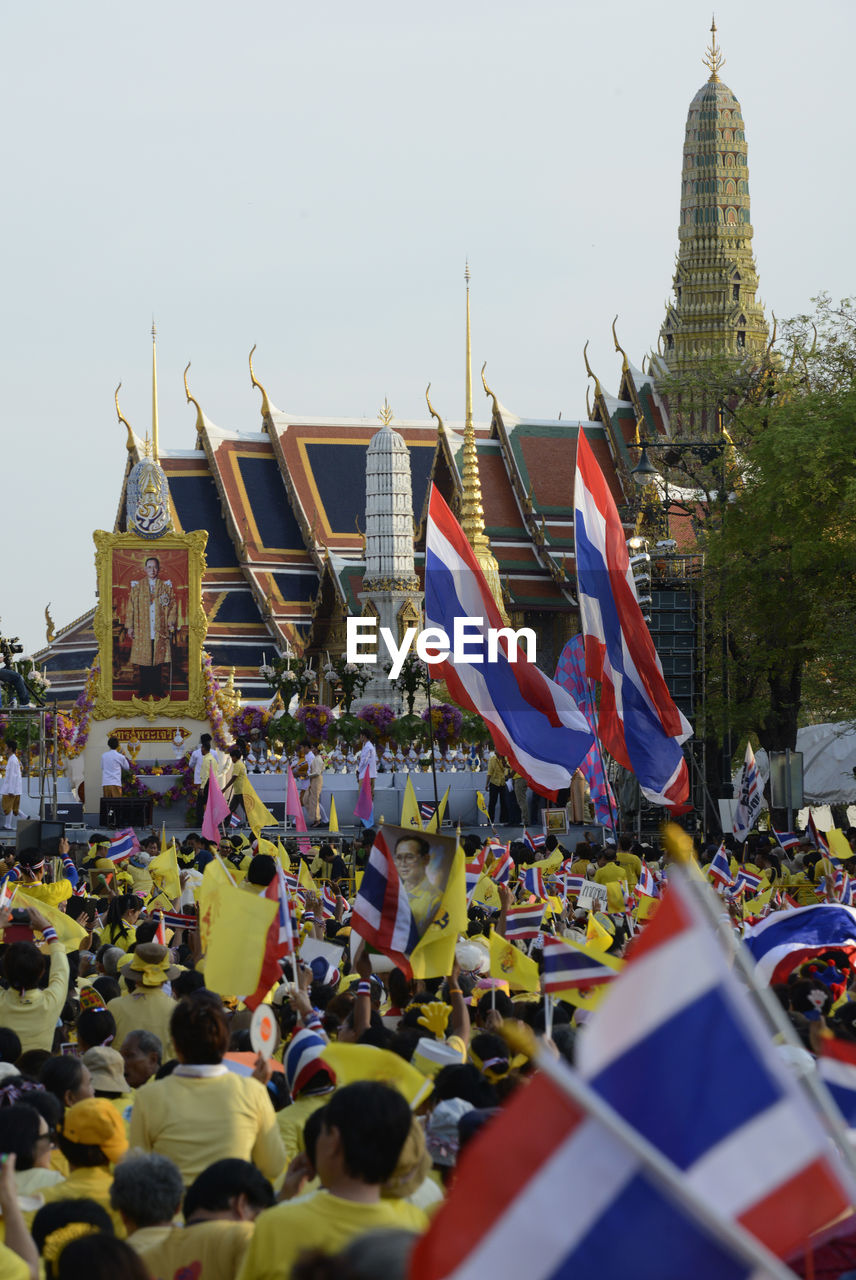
(45, 836)
(126, 811)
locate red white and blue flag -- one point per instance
(176, 920)
(535, 843)
(122, 845)
(381, 913)
(786, 839)
(638, 721)
(749, 796)
(818, 838)
(573, 884)
(533, 721)
(524, 922)
(747, 883)
(427, 809)
(328, 902)
(786, 939)
(664, 1050)
(567, 967)
(500, 872)
(720, 869)
(533, 881)
(473, 873)
(836, 1067)
(646, 884)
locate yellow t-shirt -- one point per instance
(53, 894)
(318, 1220)
(112, 935)
(291, 1120)
(33, 1015)
(195, 1120)
(12, 1265)
(85, 1184)
(632, 864)
(146, 1009)
(615, 879)
(213, 1250)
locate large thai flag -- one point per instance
(665, 1048)
(787, 938)
(568, 967)
(381, 911)
(533, 722)
(638, 722)
(522, 923)
(836, 1067)
(786, 839)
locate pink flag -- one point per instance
(293, 807)
(364, 808)
(216, 809)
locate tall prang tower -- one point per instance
(714, 311)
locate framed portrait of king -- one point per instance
(150, 624)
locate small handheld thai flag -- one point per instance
(234, 821)
(473, 873)
(819, 839)
(328, 902)
(720, 868)
(535, 843)
(573, 884)
(427, 809)
(565, 967)
(500, 872)
(524, 922)
(533, 882)
(786, 839)
(646, 883)
(175, 920)
(123, 844)
(746, 883)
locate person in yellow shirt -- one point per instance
(614, 877)
(363, 1129)
(19, 1257)
(91, 1136)
(26, 1008)
(239, 784)
(310, 1083)
(122, 915)
(146, 1007)
(52, 893)
(631, 863)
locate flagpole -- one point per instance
(431, 745)
(596, 722)
(775, 1014)
(665, 1175)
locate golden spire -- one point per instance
(713, 58)
(155, 453)
(130, 443)
(472, 513)
(386, 415)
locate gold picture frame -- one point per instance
(555, 822)
(116, 555)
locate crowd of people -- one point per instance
(142, 1135)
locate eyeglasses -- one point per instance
(46, 1139)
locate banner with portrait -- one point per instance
(150, 624)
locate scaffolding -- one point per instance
(41, 782)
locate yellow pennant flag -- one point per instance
(163, 870)
(333, 826)
(68, 931)
(510, 964)
(410, 807)
(258, 815)
(215, 877)
(163, 837)
(434, 953)
(237, 938)
(305, 881)
(283, 856)
(838, 843)
(486, 894)
(435, 822)
(599, 938)
(353, 1062)
(482, 804)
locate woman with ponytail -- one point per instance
(122, 915)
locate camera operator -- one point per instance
(9, 676)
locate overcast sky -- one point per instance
(311, 177)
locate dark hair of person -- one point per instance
(464, 1080)
(145, 932)
(400, 988)
(582, 849)
(261, 870)
(215, 1188)
(19, 1133)
(81, 1155)
(421, 843)
(31, 1062)
(61, 1213)
(107, 987)
(48, 1106)
(11, 744)
(188, 982)
(166, 1068)
(95, 1027)
(112, 742)
(199, 1028)
(373, 1122)
(504, 1004)
(117, 910)
(10, 1045)
(312, 1132)
(100, 1257)
(23, 965)
(62, 1074)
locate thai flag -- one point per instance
(639, 723)
(533, 882)
(473, 873)
(288, 929)
(720, 868)
(836, 1066)
(427, 809)
(573, 884)
(500, 872)
(746, 883)
(664, 1050)
(173, 920)
(646, 883)
(748, 797)
(786, 839)
(788, 938)
(533, 722)
(535, 843)
(122, 845)
(524, 922)
(328, 902)
(381, 913)
(818, 838)
(566, 966)
(234, 821)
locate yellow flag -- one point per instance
(435, 822)
(214, 878)
(589, 997)
(283, 856)
(163, 870)
(364, 1062)
(482, 804)
(410, 807)
(757, 904)
(268, 847)
(486, 894)
(68, 931)
(599, 938)
(305, 881)
(509, 963)
(838, 843)
(434, 953)
(237, 938)
(334, 818)
(163, 837)
(258, 815)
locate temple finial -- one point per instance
(386, 415)
(254, 380)
(432, 410)
(130, 445)
(155, 450)
(200, 421)
(713, 58)
(468, 418)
